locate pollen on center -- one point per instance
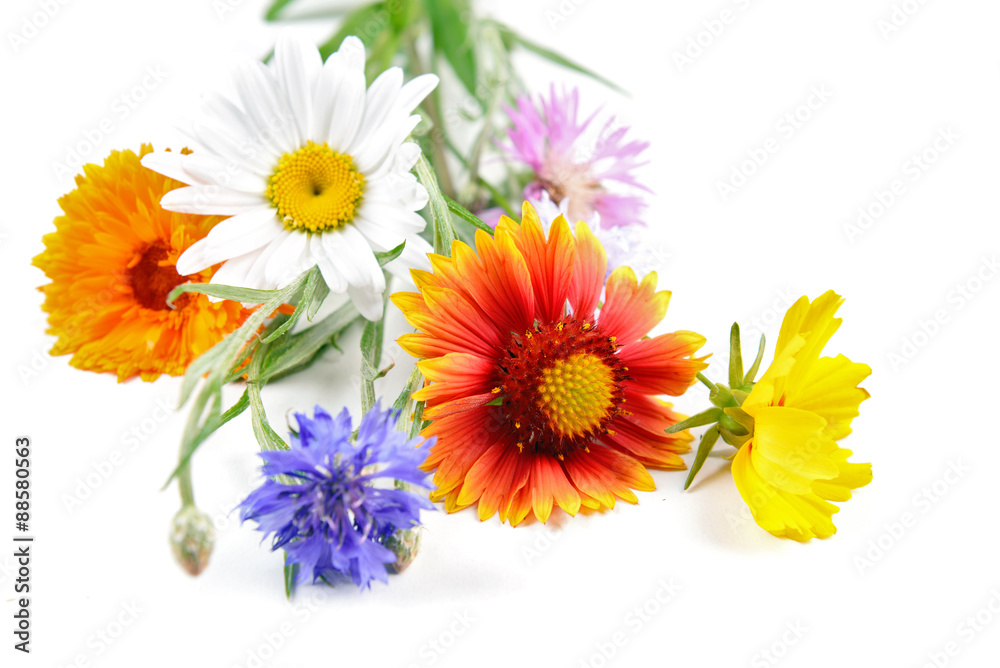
(315, 189)
(576, 393)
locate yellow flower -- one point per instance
(112, 263)
(791, 468)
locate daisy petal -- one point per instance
(209, 200)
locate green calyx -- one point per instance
(726, 416)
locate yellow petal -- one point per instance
(794, 439)
(830, 389)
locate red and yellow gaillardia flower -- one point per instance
(791, 468)
(537, 397)
(111, 262)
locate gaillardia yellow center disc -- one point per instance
(576, 393)
(315, 189)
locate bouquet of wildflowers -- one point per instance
(505, 224)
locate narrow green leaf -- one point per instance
(364, 22)
(705, 417)
(309, 293)
(298, 350)
(708, 440)
(267, 438)
(371, 356)
(451, 38)
(444, 233)
(389, 255)
(245, 295)
(752, 373)
(467, 215)
(735, 357)
(217, 361)
(499, 198)
(512, 38)
(318, 297)
(275, 9)
(241, 405)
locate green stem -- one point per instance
(709, 384)
(186, 487)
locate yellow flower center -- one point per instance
(315, 189)
(576, 394)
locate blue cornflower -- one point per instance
(332, 518)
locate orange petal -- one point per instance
(588, 273)
(631, 308)
(663, 365)
(549, 263)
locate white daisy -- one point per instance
(312, 168)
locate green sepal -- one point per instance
(748, 379)
(708, 440)
(735, 357)
(741, 417)
(722, 396)
(733, 439)
(705, 417)
(730, 425)
(291, 570)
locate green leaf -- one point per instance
(319, 295)
(708, 440)
(313, 294)
(511, 38)
(735, 357)
(389, 255)
(275, 9)
(205, 416)
(364, 22)
(241, 405)
(245, 295)
(467, 215)
(705, 417)
(217, 360)
(444, 233)
(499, 198)
(275, 12)
(267, 438)
(298, 350)
(451, 38)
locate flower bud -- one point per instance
(192, 537)
(405, 543)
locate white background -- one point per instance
(562, 594)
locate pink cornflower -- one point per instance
(573, 168)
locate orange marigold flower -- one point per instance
(111, 262)
(536, 397)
